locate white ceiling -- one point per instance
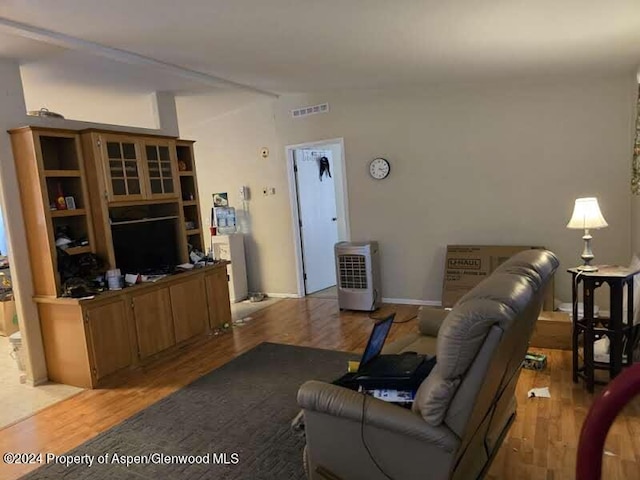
(306, 45)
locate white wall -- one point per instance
(493, 163)
(87, 103)
(227, 152)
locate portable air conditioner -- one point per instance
(358, 275)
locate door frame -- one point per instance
(342, 193)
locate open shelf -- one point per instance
(62, 173)
(195, 242)
(143, 220)
(191, 216)
(75, 227)
(68, 213)
(189, 203)
(69, 187)
(78, 250)
(188, 187)
(185, 158)
(143, 213)
(59, 153)
(195, 231)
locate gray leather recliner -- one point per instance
(461, 411)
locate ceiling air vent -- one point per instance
(305, 111)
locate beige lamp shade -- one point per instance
(586, 214)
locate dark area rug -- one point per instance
(244, 407)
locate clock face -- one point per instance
(379, 168)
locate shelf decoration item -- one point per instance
(587, 215)
(61, 203)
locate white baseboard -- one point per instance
(412, 301)
(37, 381)
(282, 295)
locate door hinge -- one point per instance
(295, 166)
(228, 278)
(86, 317)
(133, 305)
(304, 276)
(99, 142)
(300, 223)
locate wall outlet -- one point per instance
(272, 190)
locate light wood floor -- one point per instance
(541, 443)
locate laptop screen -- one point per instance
(377, 339)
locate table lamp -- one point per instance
(587, 215)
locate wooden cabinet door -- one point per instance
(218, 298)
(189, 306)
(154, 322)
(161, 168)
(123, 168)
(108, 338)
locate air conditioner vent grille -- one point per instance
(311, 110)
(353, 271)
(358, 275)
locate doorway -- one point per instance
(19, 398)
(319, 209)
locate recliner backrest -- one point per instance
(502, 311)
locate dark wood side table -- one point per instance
(623, 335)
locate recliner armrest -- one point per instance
(430, 320)
(342, 402)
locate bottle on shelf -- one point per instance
(61, 203)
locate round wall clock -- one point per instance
(379, 168)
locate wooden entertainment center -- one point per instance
(106, 179)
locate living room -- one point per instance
(467, 118)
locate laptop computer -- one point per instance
(375, 366)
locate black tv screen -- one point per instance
(145, 247)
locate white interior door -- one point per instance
(318, 218)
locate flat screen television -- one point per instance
(148, 247)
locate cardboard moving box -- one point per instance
(7, 311)
(553, 330)
(467, 265)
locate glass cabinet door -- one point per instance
(159, 158)
(123, 168)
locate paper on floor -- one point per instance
(539, 392)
